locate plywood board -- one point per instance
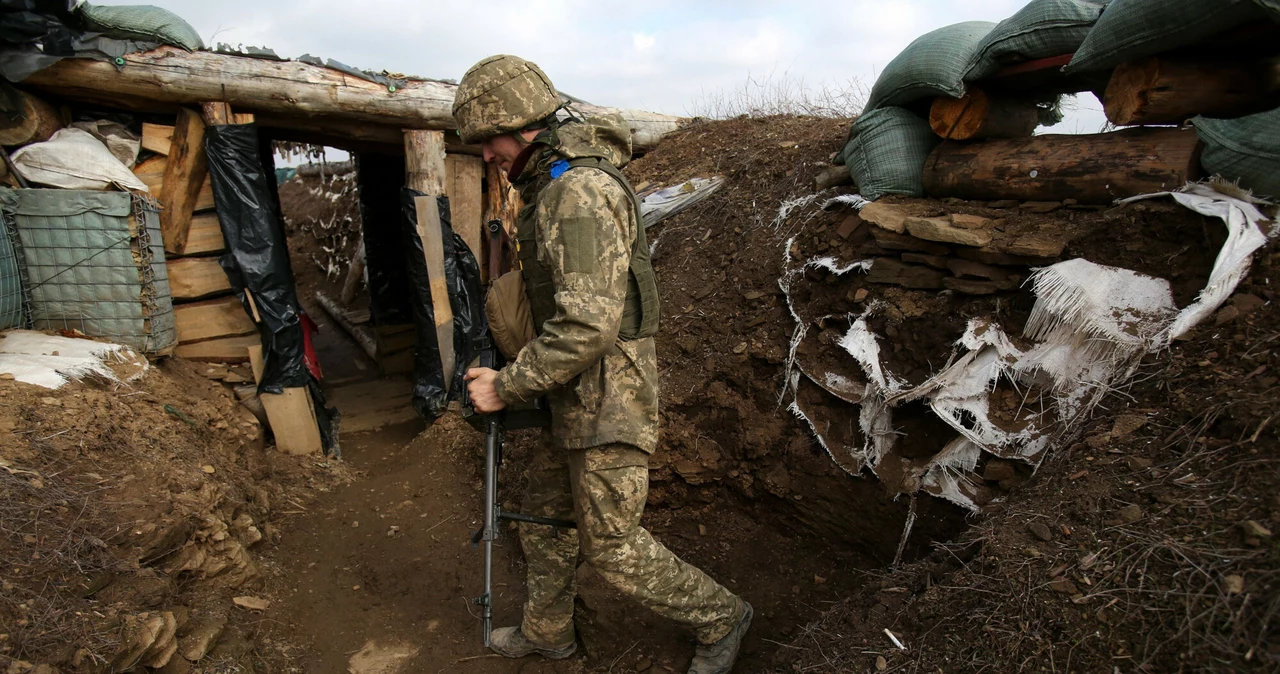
(192, 278)
(293, 421)
(209, 319)
(224, 350)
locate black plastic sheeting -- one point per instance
(35, 34)
(257, 258)
(466, 299)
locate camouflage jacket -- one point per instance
(601, 388)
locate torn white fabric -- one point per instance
(73, 159)
(1088, 330)
(668, 201)
(854, 201)
(51, 360)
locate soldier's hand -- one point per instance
(483, 392)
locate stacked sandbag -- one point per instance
(1042, 29)
(888, 144)
(1244, 150)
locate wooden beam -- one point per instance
(169, 75)
(465, 179)
(363, 335)
(215, 113)
(292, 416)
(210, 319)
(1094, 169)
(184, 174)
(39, 121)
(1171, 90)
(979, 115)
(152, 173)
(354, 274)
(222, 350)
(192, 278)
(424, 161)
(156, 137)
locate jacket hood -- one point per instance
(604, 136)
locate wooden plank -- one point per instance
(205, 235)
(256, 362)
(39, 122)
(152, 171)
(223, 350)
(192, 278)
(156, 137)
(1094, 169)
(293, 421)
(184, 174)
(433, 250)
(170, 75)
(465, 181)
(208, 319)
(1171, 90)
(242, 118)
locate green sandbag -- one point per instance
(931, 66)
(141, 22)
(886, 152)
(1042, 29)
(1134, 29)
(1246, 149)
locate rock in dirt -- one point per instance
(942, 231)
(380, 658)
(887, 216)
(1127, 424)
(964, 221)
(887, 270)
(1233, 584)
(1063, 585)
(1130, 513)
(1040, 530)
(252, 603)
(881, 663)
(201, 637)
(1003, 203)
(1254, 529)
(1041, 206)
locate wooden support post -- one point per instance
(425, 166)
(39, 121)
(354, 273)
(152, 173)
(979, 115)
(184, 175)
(1171, 90)
(464, 177)
(1094, 169)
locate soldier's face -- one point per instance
(503, 150)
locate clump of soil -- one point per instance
(1149, 546)
(322, 223)
(129, 514)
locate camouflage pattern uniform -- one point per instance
(602, 390)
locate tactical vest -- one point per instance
(640, 312)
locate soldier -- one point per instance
(594, 302)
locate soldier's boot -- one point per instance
(510, 642)
(718, 658)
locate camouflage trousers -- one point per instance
(604, 490)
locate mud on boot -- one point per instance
(718, 658)
(510, 642)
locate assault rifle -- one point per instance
(494, 425)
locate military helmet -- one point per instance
(502, 94)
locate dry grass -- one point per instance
(782, 94)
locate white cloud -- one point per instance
(662, 55)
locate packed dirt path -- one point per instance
(378, 576)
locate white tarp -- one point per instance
(52, 360)
(1089, 328)
(74, 160)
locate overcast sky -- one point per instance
(660, 55)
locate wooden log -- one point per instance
(425, 162)
(186, 169)
(222, 350)
(464, 178)
(1170, 90)
(39, 121)
(192, 278)
(981, 115)
(1093, 169)
(156, 137)
(168, 76)
(354, 274)
(363, 336)
(210, 319)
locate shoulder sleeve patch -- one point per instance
(580, 249)
(558, 168)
